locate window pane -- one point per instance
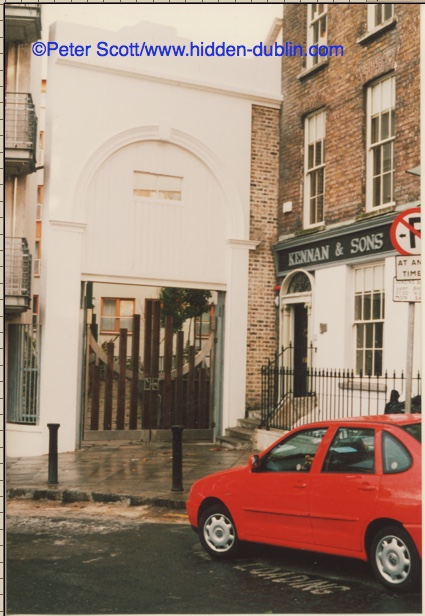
(320, 125)
(366, 307)
(318, 160)
(368, 367)
(294, 454)
(358, 308)
(375, 129)
(368, 278)
(310, 156)
(377, 160)
(386, 102)
(376, 99)
(378, 277)
(313, 211)
(378, 363)
(358, 286)
(109, 306)
(126, 324)
(359, 362)
(319, 208)
(126, 308)
(387, 187)
(377, 191)
(378, 14)
(392, 122)
(369, 335)
(315, 34)
(351, 451)
(396, 458)
(378, 335)
(107, 324)
(376, 312)
(387, 157)
(388, 11)
(360, 334)
(385, 125)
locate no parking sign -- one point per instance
(405, 232)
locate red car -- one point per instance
(350, 487)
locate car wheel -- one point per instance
(217, 532)
(394, 558)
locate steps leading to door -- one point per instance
(242, 435)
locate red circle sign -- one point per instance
(405, 232)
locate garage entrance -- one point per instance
(145, 376)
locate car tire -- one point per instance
(395, 559)
(217, 532)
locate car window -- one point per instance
(414, 430)
(296, 453)
(395, 457)
(352, 451)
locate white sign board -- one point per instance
(407, 290)
(408, 268)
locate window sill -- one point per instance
(313, 69)
(378, 211)
(372, 34)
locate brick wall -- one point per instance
(262, 312)
(340, 87)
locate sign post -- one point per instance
(405, 236)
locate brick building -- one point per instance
(349, 137)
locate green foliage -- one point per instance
(183, 304)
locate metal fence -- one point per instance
(291, 396)
(23, 373)
(17, 267)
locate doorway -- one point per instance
(300, 349)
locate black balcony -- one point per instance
(20, 134)
(22, 23)
(17, 265)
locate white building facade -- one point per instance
(147, 183)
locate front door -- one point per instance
(300, 349)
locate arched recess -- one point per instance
(296, 305)
(237, 218)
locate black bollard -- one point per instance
(53, 453)
(177, 485)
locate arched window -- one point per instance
(300, 283)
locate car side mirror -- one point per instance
(254, 461)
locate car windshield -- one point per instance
(414, 430)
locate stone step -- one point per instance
(230, 442)
(250, 423)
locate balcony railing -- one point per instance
(20, 133)
(17, 275)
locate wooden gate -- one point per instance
(166, 384)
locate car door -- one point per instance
(276, 494)
(344, 493)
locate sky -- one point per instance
(233, 23)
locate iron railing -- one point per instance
(292, 396)
(20, 122)
(17, 269)
(23, 373)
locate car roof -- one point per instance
(399, 419)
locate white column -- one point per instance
(236, 322)
(60, 317)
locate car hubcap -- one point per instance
(393, 559)
(219, 532)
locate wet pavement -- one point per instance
(134, 473)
